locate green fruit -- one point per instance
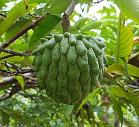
(95, 48)
(101, 67)
(58, 38)
(37, 61)
(99, 43)
(80, 48)
(94, 67)
(72, 40)
(56, 53)
(72, 55)
(53, 71)
(87, 43)
(82, 62)
(64, 46)
(63, 66)
(66, 34)
(41, 75)
(79, 36)
(86, 87)
(47, 57)
(68, 66)
(47, 44)
(51, 86)
(73, 72)
(105, 60)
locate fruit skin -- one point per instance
(64, 46)
(68, 66)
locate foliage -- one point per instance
(25, 24)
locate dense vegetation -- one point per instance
(27, 24)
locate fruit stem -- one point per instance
(68, 12)
(71, 7)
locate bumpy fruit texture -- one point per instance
(68, 66)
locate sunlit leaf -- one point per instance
(130, 8)
(5, 117)
(2, 2)
(17, 27)
(116, 69)
(133, 70)
(125, 42)
(17, 11)
(90, 97)
(21, 81)
(118, 109)
(80, 23)
(117, 91)
(58, 6)
(97, 24)
(43, 28)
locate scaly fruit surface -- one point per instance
(68, 66)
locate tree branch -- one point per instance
(14, 53)
(12, 86)
(19, 34)
(65, 23)
(8, 81)
(17, 72)
(68, 12)
(15, 89)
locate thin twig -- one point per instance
(9, 81)
(16, 72)
(14, 53)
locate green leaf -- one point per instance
(43, 28)
(133, 70)
(136, 107)
(117, 109)
(117, 91)
(17, 11)
(58, 6)
(85, 1)
(120, 91)
(17, 27)
(80, 23)
(97, 24)
(1, 91)
(116, 69)
(119, 69)
(125, 42)
(5, 117)
(91, 96)
(21, 81)
(130, 8)
(38, 1)
(2, 2)
(68, 110)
